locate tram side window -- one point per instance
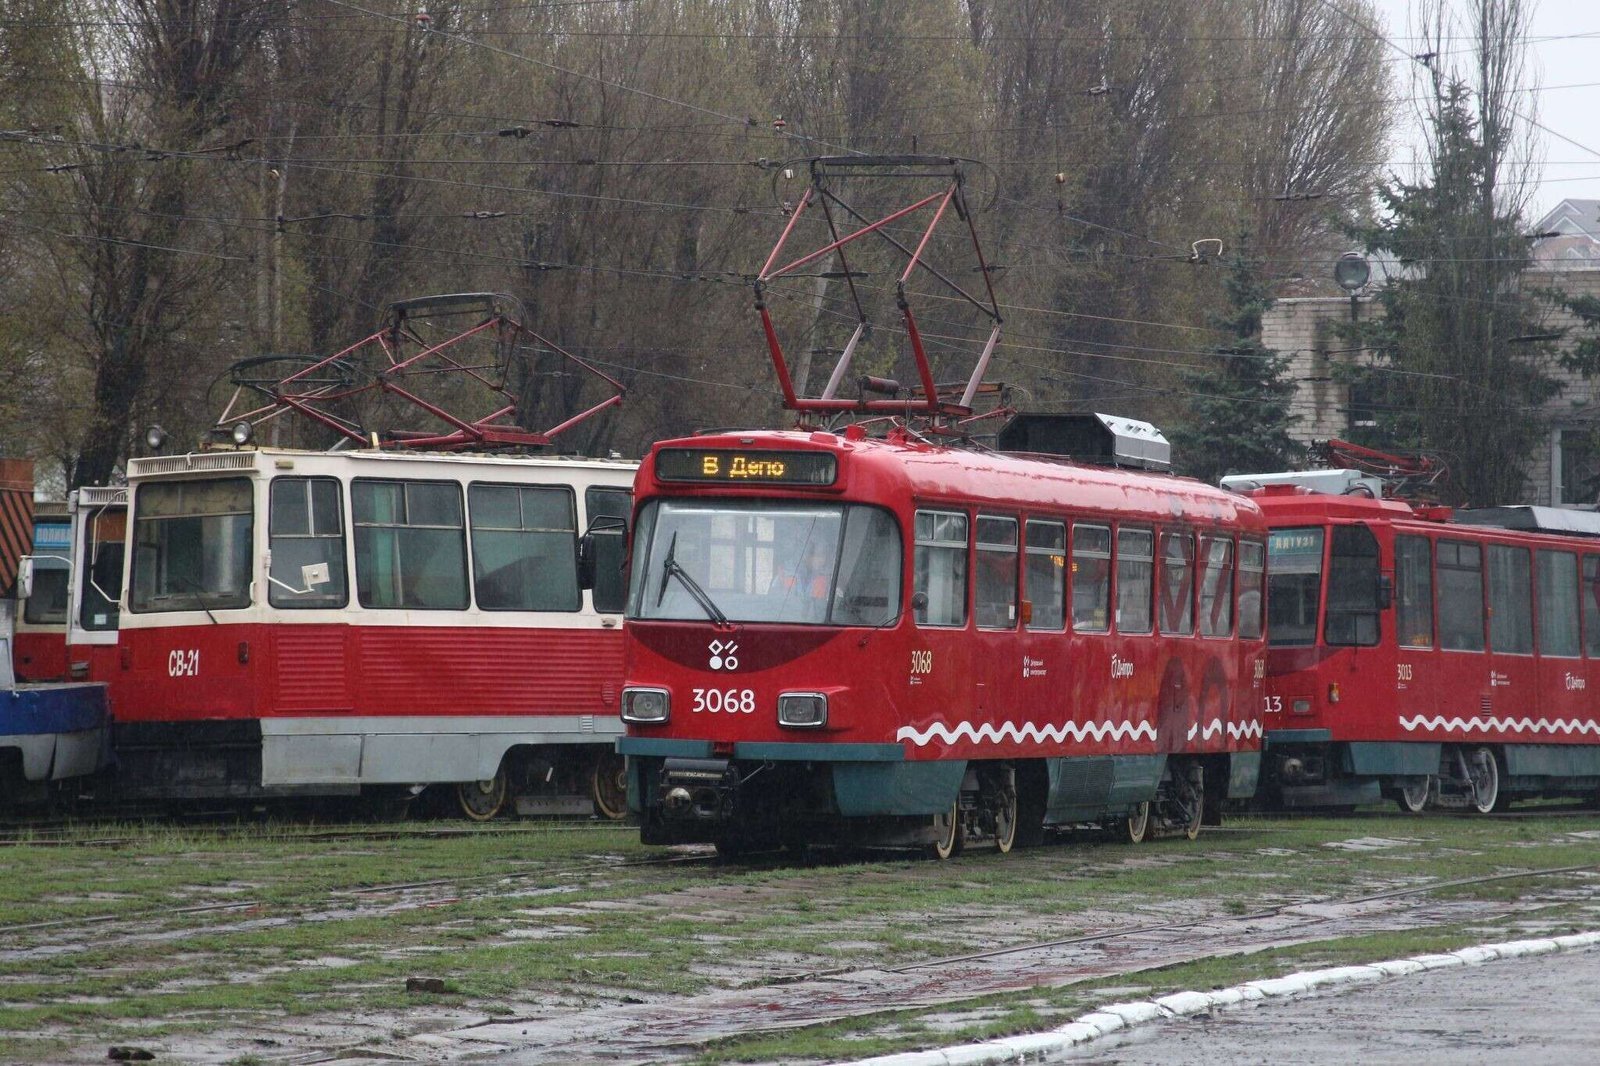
(1091, 578)
(610, 542)
(1352, 587)
(102, 572)
(995, 594)
(1590, 595)
(1413, 571)
(47, 603)
(1252, 584)
(1216, 587)
(1177, 583)
(305, 529)
(191, 545)
(410, 544)
(1046, 574)
(1460, 567)
(1136, 571)
(524, 547)
(941, 568)
(1510, 600)
(1558, 604)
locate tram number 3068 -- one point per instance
(184, 662)
(729, 700)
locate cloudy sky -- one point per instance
(1564, 54)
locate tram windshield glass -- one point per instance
(100, 569)
(1294, 585)
(191, 547)
(765, 561)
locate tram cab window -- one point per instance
(1413, 578)
(1136, 568)
(305, 530)
(1353, 591)
(1460, 570)
(1091, 578)
(1177, 583)
(1510, 600)
(410, 545)
(1045, 578)
(191, 545)
(774, 561)
(940, 562)
(1558, 604)
(1216, 586)
(47, 603)
(1294, 585)
(102, 570)
(524, 547)
(995, 591)
(610, 541)
(1590, 597)
(1252, 585)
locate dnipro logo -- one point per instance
(724, 654)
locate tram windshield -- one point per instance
(100, 569)
(765, 561)
(191, 545)
(1294, 585)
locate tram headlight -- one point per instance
(803, 710)
(645, 705)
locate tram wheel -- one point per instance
(951, 837)
(1136, 827)
(1413, 798)
(608, 785)
(1484, 772)
(482, 800)
(1195, 802)
(1005, 817)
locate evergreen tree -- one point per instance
(1238, 406)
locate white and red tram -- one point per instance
(1426, 655)
(315, 623)
(834, 635)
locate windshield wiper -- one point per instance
(670, 568)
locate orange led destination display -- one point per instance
(735, 466)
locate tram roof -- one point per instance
(934, 473)
(267, 459)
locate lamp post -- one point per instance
(1352, 272)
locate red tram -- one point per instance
(836, 635)
(320, 623)
(1424, 655)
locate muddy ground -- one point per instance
(931, 938)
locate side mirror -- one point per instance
(1385, 592)
(24, 577)
(919, 601)
(587, 552)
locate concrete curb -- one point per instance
(1117, 1017)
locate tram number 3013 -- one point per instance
(184, 662)
(725, 700)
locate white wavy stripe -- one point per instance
(1027, 731)
(1236, 730)
(1514, 725)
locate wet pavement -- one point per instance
(1531, 1010)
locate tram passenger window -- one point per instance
(1590, 597)
(1460, 567)
(1177, 583)
(610, 542)
(1046, 575)
(1091, 579)
(940, 563)
(305, 529)
(191, 547)
(1216, 587)
(1558, 604)
(1352, 587)
(1510, 600)
(410, 545)
(1413, 578)
(869, 569)
(524, 548)
(995, 595)
(1136, 569)
(1252, 581)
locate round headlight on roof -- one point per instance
(155, 437)
(242, 432)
